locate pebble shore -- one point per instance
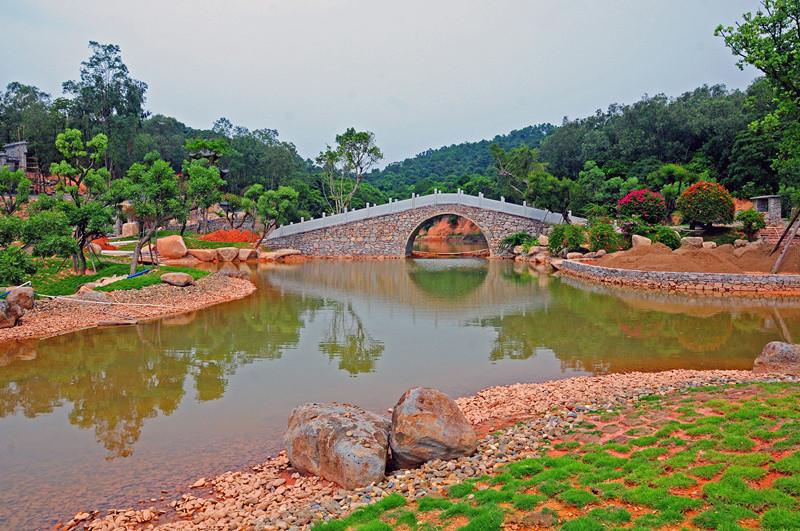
(274, 496)
(58, 316)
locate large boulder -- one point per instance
(778, 357)
(740, 243)
(709, 245)
(130, 229)
(177, 279)
(9, 314)
(248, 254)
(22, 297)
(693, 241)
(543, 240)
(227, 254)
(204, 255)
(637, 240)
(340, 443)
(427, 425)
(171, 246)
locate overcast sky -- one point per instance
(419, 74)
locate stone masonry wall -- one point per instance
(389, 235)
(675, 281)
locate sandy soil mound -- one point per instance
(724, 259)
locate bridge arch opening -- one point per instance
(446, 234)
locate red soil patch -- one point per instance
(104, 245)
(659, 257)
(234, 235)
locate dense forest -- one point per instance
(587, 164)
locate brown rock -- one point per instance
(247, 254)
(186, 261)
(637, 240)
(9, 314)
(130, 229)
(709, 245)
(177, 279)
(171, 246)
(316, 442)
(694, 241)
(426, 425)
(204, 255)
(227, 254)
(573, 256)
(22, 297)
(778, 357)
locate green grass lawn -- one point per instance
(742, 474)
(48, 281)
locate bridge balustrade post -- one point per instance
(480, 199)
(502, 204)
(413, 199)
(345, 213)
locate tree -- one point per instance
(107, 99)
(706, 203)
(15, 189)
(202, 187)
(274, 207)
(84, 183)
(152, 189)
(770, 41)
(345, 165)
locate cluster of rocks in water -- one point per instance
(14, 306)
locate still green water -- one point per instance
(104, 418)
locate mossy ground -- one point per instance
(719, 458)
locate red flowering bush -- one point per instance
(706, 203)
(649, 206)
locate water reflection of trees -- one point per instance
(346, 339)
(116, 379)
(601, 333)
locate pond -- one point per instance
(107, 417)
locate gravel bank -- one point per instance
(58, 316)
(274, 496)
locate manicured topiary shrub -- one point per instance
(647, 205)
(706, 203)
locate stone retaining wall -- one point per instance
(391, 235)
(676, 281)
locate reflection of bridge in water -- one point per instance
(472, 289)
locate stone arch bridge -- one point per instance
(390, 229)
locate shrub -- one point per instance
(635, 225)
(752, 222)
(665, 235)
(706, 203)
(520, 238)
(649, 206)
(15, 265)
(569, 236)
(603, 236)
